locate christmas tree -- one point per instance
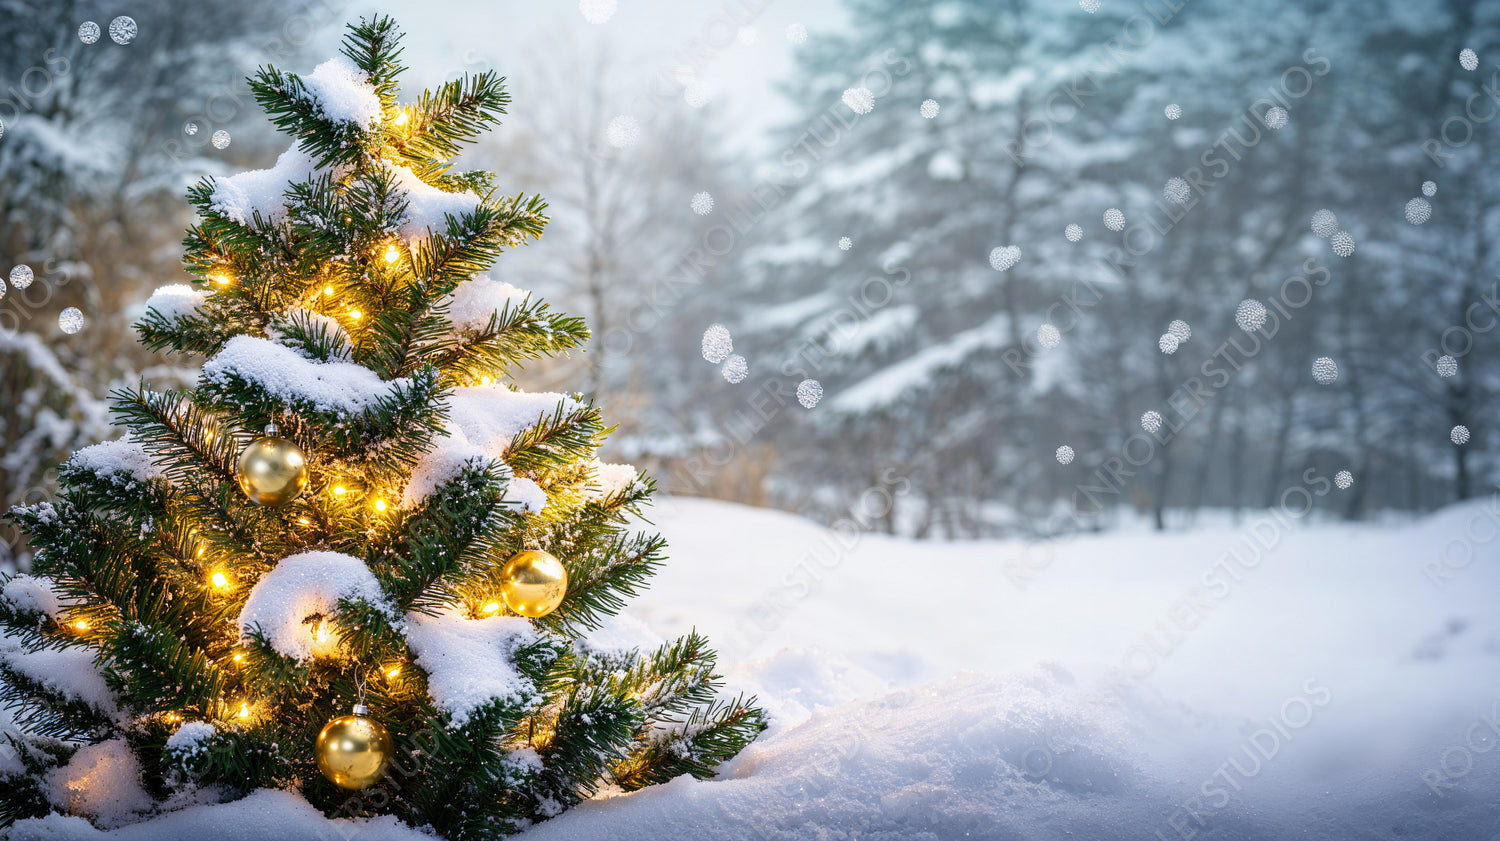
(354, 561)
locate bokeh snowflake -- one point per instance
(1180, 330)
(845, 243)
(3, 289)
(1325, 370)
(1073, 232)
(1276, 117)
(88, 32)
(1446, 366)
(1048, 336)
(1004, 257)
(1151, 421)
(70, 320)
(622, 132)
(929, 108)
(796, 33)
(735, 369)
(703, 203)
(1114, 219)
(1325, 223)
(717, 343)
(1459, 435)
(1177, 190)
(21, 276)
(1429, 188)
(1468, 59)
(1418, 210)
(190, 128)
(697, 93)
(1173, 111)
(1344, 479)
(859, 100)
(122, 31)
(1168, 343)
(220, 139)
(1250, 315)
(1089, 6)
(597, 11)
(809, 392)
(1064, 454)
(1342, 243)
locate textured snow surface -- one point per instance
(70, 671)
(240, 197)
(176, 300)
(468, 661)
(119, 458)
(281, 371)
(31, 595)
(1275, 678)
(303, 586)
(101, 781)
(482, 421)
(427, 206)
(342, 94)
(475, 301)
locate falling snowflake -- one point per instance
(735, 369)
(1074, 233)
(717, 343)
(796, 33)
(1048, 336)
(1418, 211)
(597, 11)
(703, 203)
(859, 100)
(121, 31)
(1429, 188)
(1459, 435)
(622, 132)
(748, 35)
(1004, 257)
(697, 93)
(1344, 479)
(1250, 315)
(929, 108)
(1089, 6)
(1325, 370)
(189, 129)
(1065, 454)
(21, 276)
(1446, 366)
(1151, 421)
(1180, 329)
(845, 243)
(220, 139)
(1168, 343)
(88, 32)
(809, 392)
(1276, 117)
(1468, 59)
(1325, 223)
(1173, 111)
(1177, 190)
(1343, 243)
(1114, 219)
(70, 320)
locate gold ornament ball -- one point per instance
(272, 471)
(354, 751)
(533, 583)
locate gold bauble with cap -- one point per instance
(533, 583)
(355, 750)
(272, 470)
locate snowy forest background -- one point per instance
(941, 411)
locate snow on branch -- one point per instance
(297, 380)
(470, 662)
(301, 587)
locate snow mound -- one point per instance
(126, 459)
(326, 386)
(342, 94)
(102, 781)
(239, 197)
(176, 301)
(427, 206)
(475, 301)
(469, 662)
(32, 595)
(303, 586)
(69, 671)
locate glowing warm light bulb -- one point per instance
(392, 254)
(339, 490)
(303, 520)
(486, 380)
(393, 671)
(221, 279)
(244, 709)
(491, 609)
(324, 634)
(81, 625)
(238, 657)
(220, 580)
(401, 119)
(356, 314)
(380, 505)
(328, 290)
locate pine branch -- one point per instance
(711, 735)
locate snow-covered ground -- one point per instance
(1271, 680)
